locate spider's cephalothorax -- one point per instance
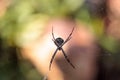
(59, 42)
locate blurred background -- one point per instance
(23, 22)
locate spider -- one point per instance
(59, 42)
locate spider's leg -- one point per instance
(54, 38)
(52, 58)
(69, 37)
(53, 34)
(67, 58)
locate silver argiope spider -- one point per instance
(59, 42)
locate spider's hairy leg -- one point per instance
(69, 37)
(52, 58)
(67, 59)
(54, 38)
(53, 34)
(70, 33)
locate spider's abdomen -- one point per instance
(59, 41)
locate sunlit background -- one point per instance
(24, 21)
